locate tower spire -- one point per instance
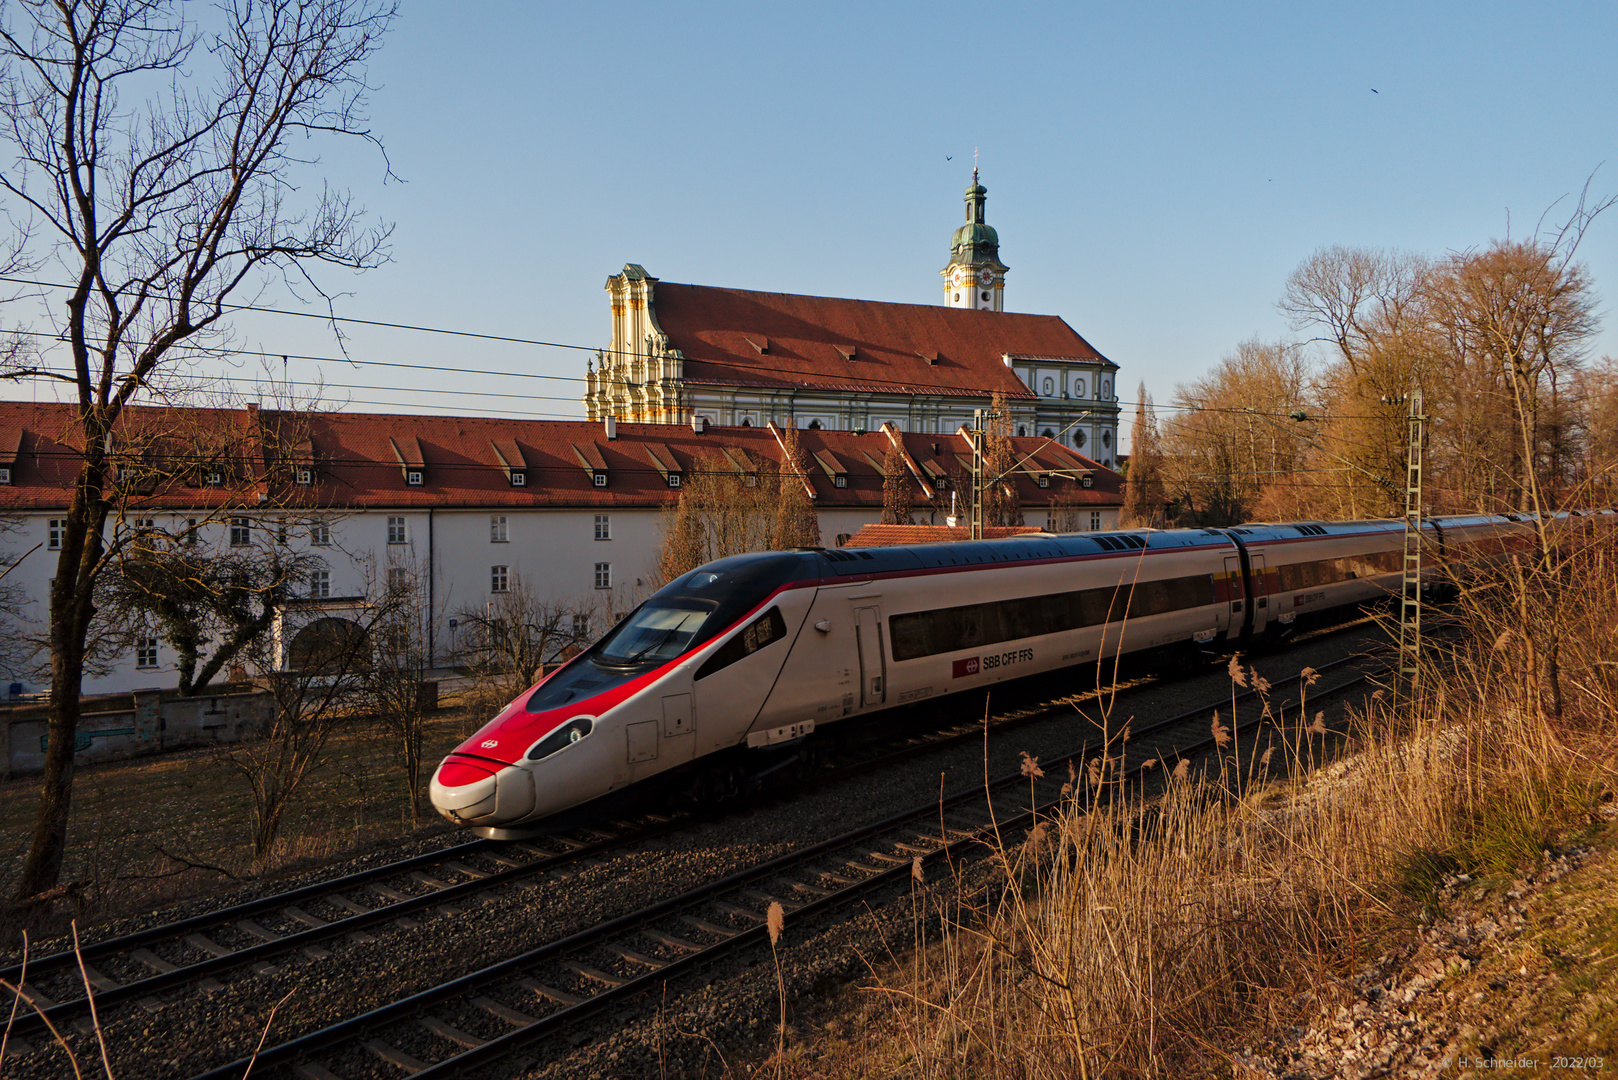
(975, 276)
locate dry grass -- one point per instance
(153, 831)
(1156, 938)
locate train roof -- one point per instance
(849, 561)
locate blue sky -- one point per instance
(1154, 171)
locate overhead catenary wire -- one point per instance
(900, 387)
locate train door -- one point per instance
(873, 666)
(1237, 594)
(1259, 591)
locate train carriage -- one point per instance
(757, 652)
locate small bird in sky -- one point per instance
(1373, 89)
(949, 157)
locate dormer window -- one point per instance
(306, 476)
(600, 477)
(413, 477)
(1044, 481)
(839, 481)
(5, 474)
(674, 479)
(1088, 481)
(215, 478)
(519, 479)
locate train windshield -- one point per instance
(659, 630)
(679, 617)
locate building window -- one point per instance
(1050, 387)
(53, 535)
(519, 479)
(306, 476)
(1106, 438)
(603, 575)
(241, 532)
(581, 627)
(1044, 481)
(398, 579)
(1079, 387)
(5, 474)
(1021, 430)
(1078, 437)
(396, 530)
(1095, 520)
(413, 477)
(499, 580)
(146, 653)
(190, 530)
(674, 479)
(752, 480)
(319, 584)
(839, 481)
(603, 527)
(497, 529)
(320, 534)
(215, 477)
(600, 478)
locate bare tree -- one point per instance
(314, 666)
(796, 524)
(395, 682)
(508, 641)
(162, 211)
(1232, 434)
(1143, 490)
(1000, 503)
(896, 494)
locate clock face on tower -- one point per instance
(957, 277)
(986, 277)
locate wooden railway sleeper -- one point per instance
(707, 927)
(550, 993)
(504, 1012)
(671, 941)
(634, 957)
(395, 1056)
(449, 1032)
(593, 974)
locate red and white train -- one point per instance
(753, 653)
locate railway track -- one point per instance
(501, 1010)
(194, 952)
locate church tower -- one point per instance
(975, 276)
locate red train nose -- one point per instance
(473, 792)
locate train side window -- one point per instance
(767, 629)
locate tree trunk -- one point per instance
(70, 614)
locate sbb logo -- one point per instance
(489, 744)
(970, 666)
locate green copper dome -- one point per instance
(976, 242)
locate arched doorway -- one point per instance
(330, 646)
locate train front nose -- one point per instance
(474, 791)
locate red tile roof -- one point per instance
(356, 467)
(735, 336)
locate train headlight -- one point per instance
(563, 737)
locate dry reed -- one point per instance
(1154, 935)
